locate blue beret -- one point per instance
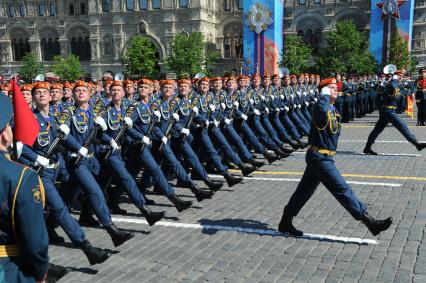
(6, 111)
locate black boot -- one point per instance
(270, 157)
(231, 179)
(54, 238)
(420, 145)
(256, 163)
(118, 237)
(87, 219)
(369, 151)
(281, 153)
(286, 226)
(302, 144)
(295, 145)
(286, 149)
(115, 209)
(180, 204)
(376, 226)
(149, 201)
(93, 254)
(213, 185)
(247, 169)
(201, 194)
(151, 217)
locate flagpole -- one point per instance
(14, 155)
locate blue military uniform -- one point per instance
(23, 238)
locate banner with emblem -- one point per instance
(387, 18)
(263, 36)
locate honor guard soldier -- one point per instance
(421, 97)
(24, 240)
(388, 115)
(67, 99)
(26, 92)
(320, 167)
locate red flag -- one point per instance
(410, 106)
(26, 125)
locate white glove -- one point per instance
(267, 110)
(176, 117)
(216, 123)
(251, 101)
(19, 147)
(164, 139)
(195, 110)
(272, 96)
(257, 112)
(207, 123)
(299, 106)
(244, 117)
(146, 140)
(128, 122)
(298, 92)
(223, 105)
(236, 104)
(304, 93)
(42, 161)
(306, 103)
(64, 129)
(101, 122)
(157, 113)
(262, 97)
(292, 95)
(212, 108)
(277, 110)
(311, 91)
(286, 108)
(227, 121)
(185, 131)
(315, 99)
(282, 96)
(83, 151)
(113, 145)
(325, 91)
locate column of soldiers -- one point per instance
(96, 138)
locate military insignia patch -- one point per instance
(37, 194)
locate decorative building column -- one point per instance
(63, 42)
(35, 48)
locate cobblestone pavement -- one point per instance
(231, 238)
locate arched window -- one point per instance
(20, 40)
(233, 41)
(49, 44)
(80, 43)
(108, 45)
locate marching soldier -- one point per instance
(320, 167)
(24, 241)
(388, 115)
(421, 97)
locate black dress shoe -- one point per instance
(180, 204)
(247, 169)
(295, 145)
(150, 216)
(93, 254)
(286, 226)
(231, 179)
(420, 146)
(281, 153)
(88, 220)
(118, 237)
(149, 201)
(115, 209)
(256, 163)
(201, 194)
(54, 238)
(376, 226)
(270, 157)
(286, 149)
(369, 151)
(213, 185)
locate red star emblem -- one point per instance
(394, 12)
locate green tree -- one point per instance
(212, 56)
(190, 56)
(141, 59)
(346, 52)
(31, 67)
(68, 68)
(296, 54)
(398, 52)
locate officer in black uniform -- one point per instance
(23, 239)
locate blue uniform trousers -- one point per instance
(58, 208)
(288, 124)
(262, 134)
(190, 156)
(298, 122)
(118, 170)
(390, 116)
(238, 142)
(11, 271)
(203, 141)
(84, 175)
(276, 122)
(305, 112)
(224, 147)
(252, 139)
(321, 169)
(272, 133)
